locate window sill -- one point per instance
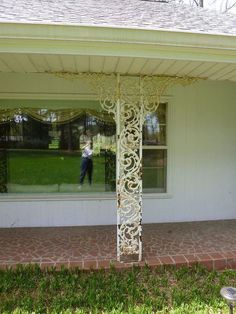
(157, 195)
(73, 197)
(56, 197)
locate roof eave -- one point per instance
(100, 40)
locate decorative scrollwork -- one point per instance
(129, 186)
(131, 88)
(130, 161)
(129, 238)
(129, 98)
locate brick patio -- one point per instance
(212, 243)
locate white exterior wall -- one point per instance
(202, 162)
(202, 141)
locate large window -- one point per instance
(57, 151)
(73, 151)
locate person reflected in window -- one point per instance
(86, 164)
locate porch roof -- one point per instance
(140, 14)
(128, 37)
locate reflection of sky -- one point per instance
(49, 116)
(18, 118)
(152, 124)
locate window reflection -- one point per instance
(41, 151)
(154, 170)
(45, 156)
(154, 130)
(155, 151)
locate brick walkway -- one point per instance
(212, 243)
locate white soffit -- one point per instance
(42, 63)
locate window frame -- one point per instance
(109, 196)
(166, 147)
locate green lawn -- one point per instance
(161, 290)
(50, 167)
(51, 171)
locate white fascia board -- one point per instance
(113, 41)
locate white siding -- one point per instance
(202, 157)
(202, 138)
(57, 213)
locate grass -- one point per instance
(142, 291)
(35, 171)
(52, 167)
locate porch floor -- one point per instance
(212, 243)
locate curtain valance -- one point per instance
(56, 116)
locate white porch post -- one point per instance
(129, 120)
(129, 99)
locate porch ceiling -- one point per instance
(40, 63)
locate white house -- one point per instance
(152, 83)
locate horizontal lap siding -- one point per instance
(201, 153)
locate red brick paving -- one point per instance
(211, 243)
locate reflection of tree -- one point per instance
(106, 129)
(151, 128)
(65, 136)
(82, 129)
(33, 130)
(70, 134)
(4, 134)
(25, 132)
(35, 134)
(110, 170)
(3, 170)
(36, 128)
(154, 126)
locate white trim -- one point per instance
(78, 31)
(113, 26)
(16, 197)
(155, 147)
(13, 197)
(116, 41)
(169, 143)
(168, 147)
(57, 96)
(48, 96)
(157, 195)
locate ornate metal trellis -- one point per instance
(129, 98)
